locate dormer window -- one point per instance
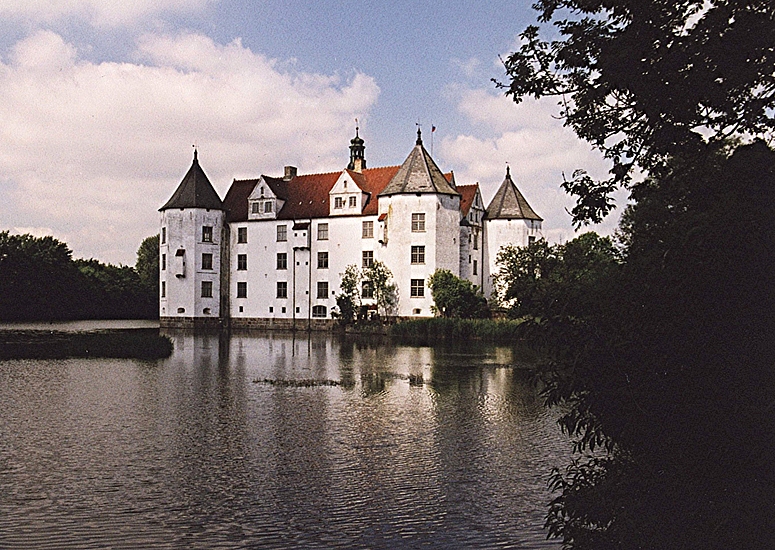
(255, 208)
(353, 201)
(268, 207)
(338, 202)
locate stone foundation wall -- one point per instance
(265, 323)
(191, 322)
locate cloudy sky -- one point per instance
(102, 100)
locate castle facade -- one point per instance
(271, 253)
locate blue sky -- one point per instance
(102, 101)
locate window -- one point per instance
(207, 261)
(531, 239)
(319, 311)
(207, 289)
(207, 234)
(242, 262)
(322, 290)
(282, 233)
(476, 240)
(163, 262)
(368, 258)
(418, 254)
(164, 289)
(163, 235)
(367, 290)
(368, 230)
(282, 260)
(242, 290)
(267, 207)
(322, 260)
(474, 267)
(242, 234)
(282, 289)
(417, 288)
(322, 231)
(255, 208)
(353, 202)
(418, 223)
(338, 202)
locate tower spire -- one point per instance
(357, 149)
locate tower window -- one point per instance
(368, 230)
(207, 289)
(207, 261)
(164, 289)
(163, 235)
(282, 233)
(418, 254)
(242, 234)
(242, 290)
(207, 234)
(417, 288)
(474, 267)
(368, 258)
(418, 222)
(163, 262)
(242, 262)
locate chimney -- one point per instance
(290, 173)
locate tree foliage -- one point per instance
(456, 297)
(385, 292)
(43, 282)
(147, 265)
(348, 301)
(647, 80)
(561, 280)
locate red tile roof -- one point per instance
(467, 192)
(306, 196)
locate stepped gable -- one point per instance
(419, 174)
(195, 191)
(509, 204)
(467, 194)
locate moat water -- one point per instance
(277, 442)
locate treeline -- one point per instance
(42, 282)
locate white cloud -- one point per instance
(91, 150)
(539, 150)
(105, 13)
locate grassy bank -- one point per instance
(46, 344)
(438, 328)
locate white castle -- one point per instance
(271, 253)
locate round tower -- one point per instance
(193, 246)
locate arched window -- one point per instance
(319, 311)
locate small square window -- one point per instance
(207, 261)
(353, 202)
(271, 309)
(242, 234)
(368, 258)
(242, 290)
(242, 262)
(418, 254)
(207, 289)
(417, 288)
(322, 260)
(322, 231)
(207, 234)
(418, 222)
(282, 289)
(282, 233)
(322, 290)
(282, 260)
(368, 230)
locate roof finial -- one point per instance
(508, 172)
(419, 135)
(356, 127)
(195, 151)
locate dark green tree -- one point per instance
(646, 80)
(385, 294)
(348, 300)
(456, 297)
(147, 265)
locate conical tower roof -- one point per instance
(508, 203)
(195, 191)
(419, 174)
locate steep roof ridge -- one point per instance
(194, 191)
(419, 173)
(509, 203)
